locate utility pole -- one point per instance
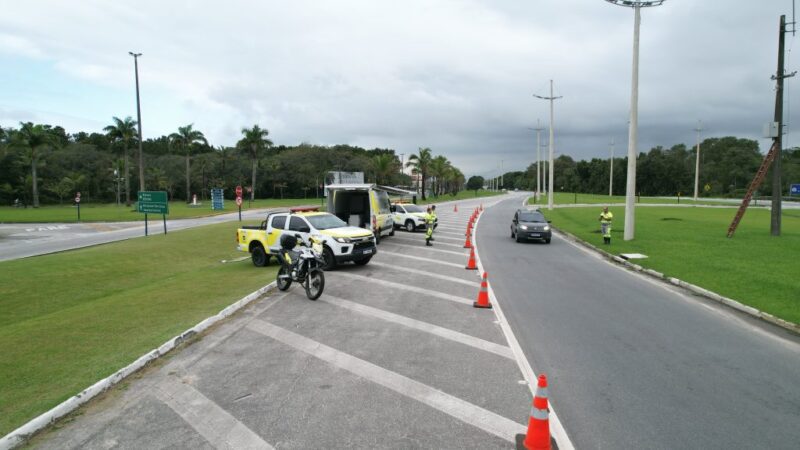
(697, 161)
(775, 222)
(501, 174)
(630, 188)
(139, 119)
(538, 130)
(551, 146)
(611, 171)
(402, 159)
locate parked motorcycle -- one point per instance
(302, 265)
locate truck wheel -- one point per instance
(363, 261)
(330, 259)
(391, 233)
(410, 227)
(259, 257)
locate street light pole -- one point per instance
(551, 146)
(697, 160)
(630, 189)
(139, 119)
(611, 171)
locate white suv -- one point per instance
(409, 216)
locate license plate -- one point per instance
(367, 251)
(534, 234)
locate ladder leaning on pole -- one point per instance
(762, 172)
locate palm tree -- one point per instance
(253, 143)
(438, 169)
(384, 166)
(33, 139)
(123, 131)
(421, 163)
(185, 140)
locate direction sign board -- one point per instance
(794, 189)
(217, 199)
(153, 202)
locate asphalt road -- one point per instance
(23, 240)
(634, 363)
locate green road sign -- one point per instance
(153, 202)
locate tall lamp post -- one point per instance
(550, 170)
(138, 118)
(697, 160)
(611, 171)
(630, 189)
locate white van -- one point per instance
(362, 205)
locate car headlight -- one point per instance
(546, 228)
(342, 240)
(524, 227)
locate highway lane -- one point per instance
(31, 239)
(634, 363)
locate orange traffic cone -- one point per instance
(471, 262)
(538, 436)
(468, 243)
(483, 295)
(455, 208)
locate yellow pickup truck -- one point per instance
(340, 242)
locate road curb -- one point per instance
(749, 310)
(22, 434)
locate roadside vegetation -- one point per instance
(72, 318)
(572, 198)
(753, 267)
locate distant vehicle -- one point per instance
(409, 216)
(528, 225)
(340, 243)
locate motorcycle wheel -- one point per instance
(283, 282)
(315, 284)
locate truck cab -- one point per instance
(341, 243)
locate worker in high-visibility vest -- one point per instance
(433, 222)
(430, 219)
(605, 225)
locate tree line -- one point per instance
(727, 166)
(40, 163)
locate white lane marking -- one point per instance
(435, 241)
(557, 428)
(406, 287)
(426, 273)
(442, 332)
(452, 233)
(216, 425)
(424, 247)
(419, 258)
(464, 411)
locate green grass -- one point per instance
(753, 267)
(96, 212)
(72, 318)
(569, 198)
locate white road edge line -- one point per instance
(419, 258)
(424, 273)
(26, 431)
(556, 427)
(423, 247)
(406, 287)
(462, 410)
(446, 333)
(216, 425)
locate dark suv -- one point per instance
(529, 224)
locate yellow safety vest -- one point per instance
(606, 217)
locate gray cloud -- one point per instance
(456, 76)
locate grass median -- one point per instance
(571, 198)
(72, 318)
(104, 212)
(753, 267)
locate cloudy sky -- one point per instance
(453, 75)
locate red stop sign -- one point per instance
(238, 191)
